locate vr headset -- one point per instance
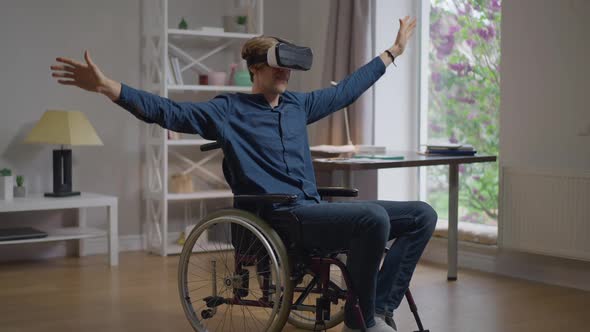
(285, 55)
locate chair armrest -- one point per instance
(266, 198)
(210, 146)
(338, 191)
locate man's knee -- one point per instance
(377, 218)
(429, 215)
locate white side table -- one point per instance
(37, 202)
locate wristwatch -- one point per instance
(391, 56)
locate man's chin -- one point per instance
(281, 88)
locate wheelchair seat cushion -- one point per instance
(293, 231)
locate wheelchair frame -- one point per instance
(303, 263)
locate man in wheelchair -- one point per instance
(267, 161)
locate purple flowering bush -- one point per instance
(464, 100)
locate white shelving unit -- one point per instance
(159, 38)
(81, 232)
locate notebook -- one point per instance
(20, 233)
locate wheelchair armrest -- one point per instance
(338, 191)
(266, 198)
(210, 146)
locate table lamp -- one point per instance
(64, 128)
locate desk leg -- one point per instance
(113, 235)
(82, 224)
(453, 221)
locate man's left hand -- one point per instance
(407, 26)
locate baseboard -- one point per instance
(49, 250)
(99, 245)
(490, 258)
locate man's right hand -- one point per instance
(85, 76)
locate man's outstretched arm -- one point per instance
(323, 102)
(203, 118)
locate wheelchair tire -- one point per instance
(275, 293)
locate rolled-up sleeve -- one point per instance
(204, 118)
(321, 103)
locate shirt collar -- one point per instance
(260, 99)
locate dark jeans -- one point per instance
(364, 227)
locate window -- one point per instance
(462, 54)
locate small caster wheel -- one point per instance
(207, 313)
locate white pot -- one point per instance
(19, 191)
(6, 184)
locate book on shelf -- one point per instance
(169, 72)
(177, 71)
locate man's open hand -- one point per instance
(86, 76)
(406, 30)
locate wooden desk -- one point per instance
(414, 159)
(37, 202)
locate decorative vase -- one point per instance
(20, 191)
(217, 78)
(242, 78)
(6, 183)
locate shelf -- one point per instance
(209, 194)
(225, 88)
(198, 51)
(62, 234)
(196, 142)
(182, 34)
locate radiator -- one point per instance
(545, 212)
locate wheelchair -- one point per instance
(243, 269)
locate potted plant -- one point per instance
(19, 189)
(241, 20)
(6, 183)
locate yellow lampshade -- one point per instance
(64, 128)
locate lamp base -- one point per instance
(62, 174)
(63, 194)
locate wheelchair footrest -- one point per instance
(214, 301)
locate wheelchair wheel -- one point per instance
(234, 274)
(303, 318)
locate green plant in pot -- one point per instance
(20, 190)
(241, 20)
(6, 182)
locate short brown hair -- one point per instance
(257, 46)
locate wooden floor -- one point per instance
(84, 294)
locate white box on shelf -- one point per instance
(6, 184)
(211, 29)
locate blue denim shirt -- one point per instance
(266, 149)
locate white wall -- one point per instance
(545, 83)
(396, 99)
(32, 34)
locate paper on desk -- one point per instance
(333, 148)
(350, 160)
